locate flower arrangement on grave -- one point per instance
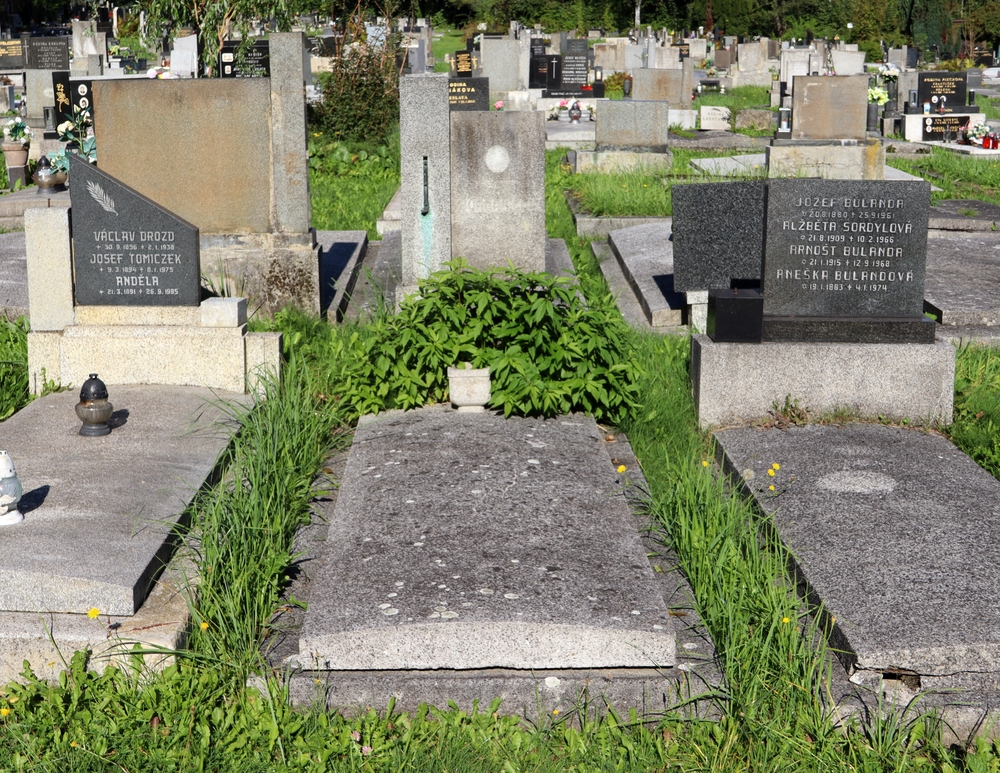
(877, 95)
(78, 134)
(563, 104)
(976, 132)
(17, 131)
(889, 73)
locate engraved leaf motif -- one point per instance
(104, 200)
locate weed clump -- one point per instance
(548, 352)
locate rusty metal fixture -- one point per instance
(94, 409)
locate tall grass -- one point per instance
(13, 366)
(958, 177)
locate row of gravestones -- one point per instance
(806, 259)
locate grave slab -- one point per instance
(645, 254)
(896, 532)
(99, 512)
(963, 278)
(467, 541)
(341, 255)
(965, 215)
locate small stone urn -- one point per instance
(10, 492)
(94, 410)
(469, 388)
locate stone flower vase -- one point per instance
(14, 153)
(873, 116)
(469, 388)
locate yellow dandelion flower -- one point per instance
(704, 462)
(771, 487)
(555, 711)
(4, 712)
(786, 619)
(775, 466)
(621, 468)
(93, 612)
(771, 473)
(204, 625)
(74, 744)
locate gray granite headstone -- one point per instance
(11, 54)
(48, 53)
(127, 249)
(849, 248)
(718, 234)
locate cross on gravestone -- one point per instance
(127, 249)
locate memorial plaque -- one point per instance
(574, 74)
(463, 64)
(69, 94)
(11, 54)
(48, 53)
(946, 91)
(943, 128)
(537, 47)
(127, 249)
(469, 94)
(538, 72)
(684, 49)
(253, 62)
(845, 248)
(575, 47)
(715, 118)
(718, 231)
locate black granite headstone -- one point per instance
(575, 47)
(553, 73)
(11, 54)
(254, 62)
(718, 231)
(537, 47)
(469, 94)
(685, 49)
(61, 94)
(48, 53)
(943, 128)
(463, 64)
(574, 73)
(538, 72)
(845, 248)
(127, 249)
(944, 90)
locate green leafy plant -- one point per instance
(360, 95)
(548, 352)
(77, 133)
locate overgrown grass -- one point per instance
(13, 366)
(641, 193)
(450, 42)
(977, 405)
(958, 176)
(350, 184)
(989, 105)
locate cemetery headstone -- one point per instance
(945, 92)
(715, 118)
(11, 54)
(684, 49)
(844, 260)
(463, 64)
(128, 250)
(723, 59)
(829, 108)
(718, 231)
(469, 93)
(943, 128)
(48, 53)
(69, 94)
(237, 61)
(848, 62)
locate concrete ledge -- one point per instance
(598, 227)
(736, 383)
(646, 257)
(832, 162)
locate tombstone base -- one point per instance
(860, 330)
(829, 159)
(737, 383)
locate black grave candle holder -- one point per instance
(735, 316)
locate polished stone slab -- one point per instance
(963, 278)
(645, 254)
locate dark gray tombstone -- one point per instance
(845, 260)
(250, 62)
(463, 64)
(943, 128)
(946, 91)
(685, 49)
(11, 54)
(127, 249)
(48, 53)
(575, 47)
(718, 231)
(468, 94)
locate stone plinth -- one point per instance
(736, 383)
(864, 160)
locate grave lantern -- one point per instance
(94, 410)
(10, 492)
(45, 176)
(598, 75)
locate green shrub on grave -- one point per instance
(549, 353)
(360, 97)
